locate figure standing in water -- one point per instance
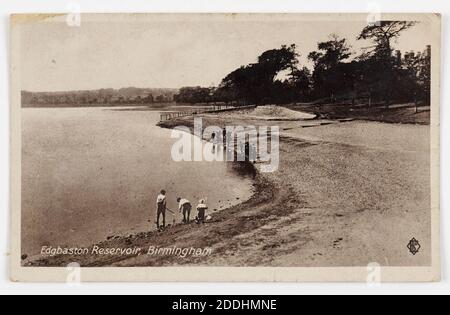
(214, 142)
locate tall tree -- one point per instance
(300, 81)
(382, 34)
(424, 75)
(331, 52)
(381, 64)
(328, 75)
(255, 83)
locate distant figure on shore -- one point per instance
(161, 204)
(215, 142)
(185, 207)
(201, 209)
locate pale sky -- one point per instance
(169, 51)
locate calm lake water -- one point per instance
(90, 173)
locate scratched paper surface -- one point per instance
(216, 147)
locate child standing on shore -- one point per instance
(161, 204)
(201, 208)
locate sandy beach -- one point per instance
(343, 191)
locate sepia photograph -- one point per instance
(225, 147)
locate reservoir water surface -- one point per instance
(90, 173)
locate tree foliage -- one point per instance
(378, 73)
(330, 72)
(194, 95)
(382, 34)
(256, 83)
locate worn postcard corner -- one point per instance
(19, 18)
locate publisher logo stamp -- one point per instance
(414, 246)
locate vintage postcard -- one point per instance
(225, 147)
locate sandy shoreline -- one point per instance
(178, 234)
(144, 241)
(335, 201)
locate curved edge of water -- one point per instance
(260, 184)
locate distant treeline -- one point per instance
(377, 74)
(98, 97)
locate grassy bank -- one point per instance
(397, 113)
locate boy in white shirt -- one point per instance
(201, 208)
(185, 207)
(161, 204)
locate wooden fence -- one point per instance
(210, 109)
